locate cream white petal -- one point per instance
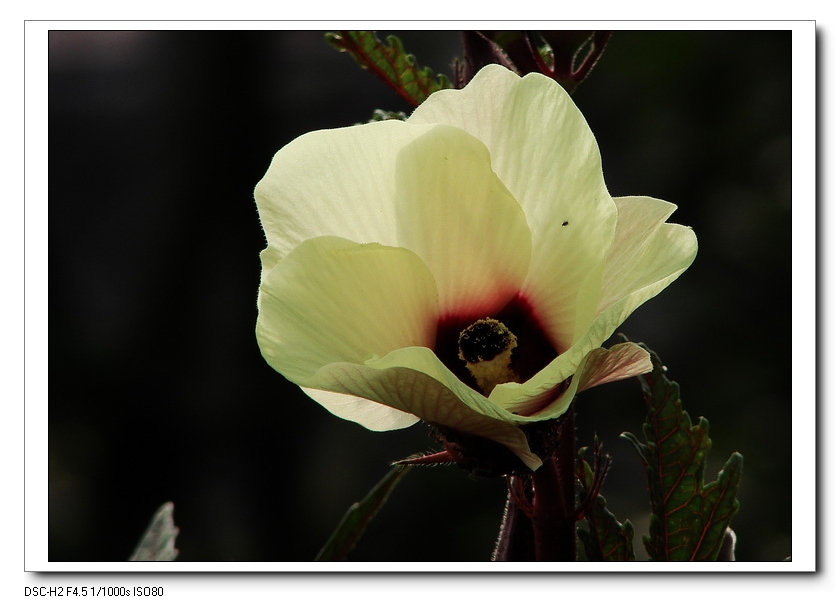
(373, 415)
(621, 361)
(544, 152)
(455, 213)
(647, 253)
(333, 300)
(598, 367)
(338, 182)
(646, 256)
(413, 380)
(377, 233)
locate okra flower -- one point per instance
(462, 267)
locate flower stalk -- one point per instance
(554, 498)
(540, 513)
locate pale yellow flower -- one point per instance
(387, 240)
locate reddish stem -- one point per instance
(554, 498)
(516, 538)
(540, 525)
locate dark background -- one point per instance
(157, 388)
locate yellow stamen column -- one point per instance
(486, 347)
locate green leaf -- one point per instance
(689, 519)
(606, 538)
(358, 516)
(158, 542)
(390, 63)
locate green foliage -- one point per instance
(358, 516)
(390, 63)
(606, 539)
(689, 518)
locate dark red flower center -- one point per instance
(475, 337)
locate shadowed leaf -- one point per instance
(727, 549)
(689, 518)
(389, 62)
(158, 542)
(606, 538)
(358, 516)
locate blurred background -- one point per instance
(157, 388)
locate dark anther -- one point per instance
(483, 340)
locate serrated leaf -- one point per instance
(607, 539)
(389, 62)
(689, 519)
(158, 541)
(358, 516)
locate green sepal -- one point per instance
(606, 539)
(349, 531)
(689, 518)
(389, 62)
